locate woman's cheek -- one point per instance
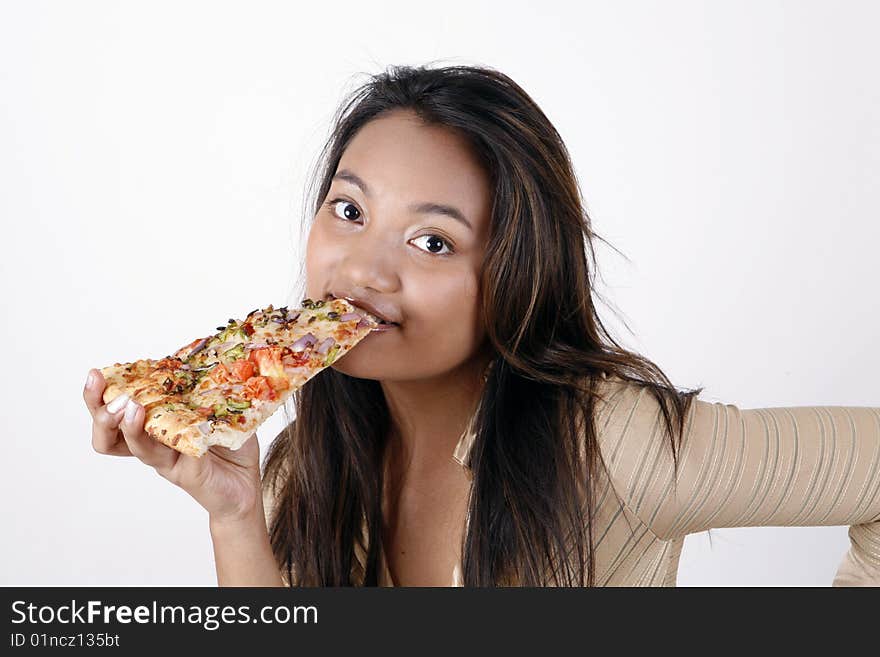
(467, 327)
(319, 251)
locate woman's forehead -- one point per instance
(403, 145)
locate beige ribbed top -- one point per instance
(795, 466)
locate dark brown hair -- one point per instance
(532, 489)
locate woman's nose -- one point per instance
(371, 262)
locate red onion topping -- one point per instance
(198, 347)
(325, 345)
(205, 427)
(304, 342)
(348, 317)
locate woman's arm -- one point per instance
(242, 552)
(795, 466)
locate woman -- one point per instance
(497, 435)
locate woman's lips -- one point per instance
(384, 327)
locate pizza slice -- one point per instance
(218, 389)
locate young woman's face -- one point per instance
(380, 238)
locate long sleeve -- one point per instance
(796, 466)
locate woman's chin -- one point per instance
(361, 365)
(371, 354)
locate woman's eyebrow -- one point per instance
(421, 208)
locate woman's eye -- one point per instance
(349, 211)
(435, 241)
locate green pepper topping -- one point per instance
(331, 355)
(235, 353)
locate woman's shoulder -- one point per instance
(621, 405)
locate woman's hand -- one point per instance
(225, 482)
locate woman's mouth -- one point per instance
(384, 326)
(369, 313)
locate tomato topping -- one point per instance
(257, 387)
(279, 382)
(248, 329)
(268, 361)
(242, 370)
(241, 419)
(221, 374)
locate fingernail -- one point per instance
(90, 380)
(131, 409)
(116, 404)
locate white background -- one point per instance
(153, 158)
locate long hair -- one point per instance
(535, 452)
